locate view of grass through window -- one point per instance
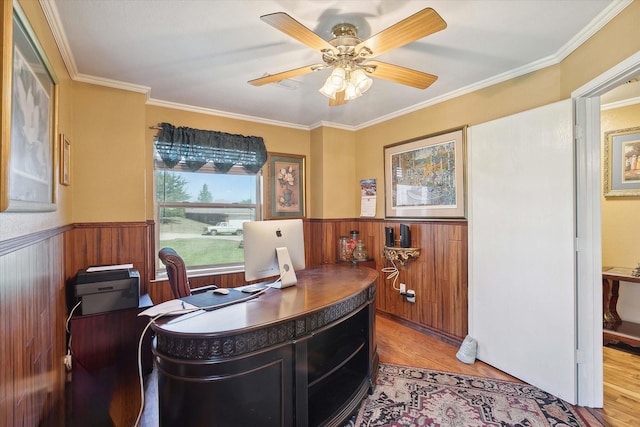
(200, 214)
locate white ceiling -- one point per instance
(199, 54)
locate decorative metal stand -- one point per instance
(401, 255)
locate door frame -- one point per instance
(588, 142)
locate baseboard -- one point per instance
(455, 341)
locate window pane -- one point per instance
(200, 215)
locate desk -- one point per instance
(614, 328)
(299, 356)
(105, 389)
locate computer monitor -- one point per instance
(273, 248)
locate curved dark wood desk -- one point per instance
(300, 356)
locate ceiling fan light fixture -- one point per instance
(328, 89)
(335, 83)
(361, 81)
(349, 55)
(338, 78)
(351, 92)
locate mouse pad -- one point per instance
(210, 301)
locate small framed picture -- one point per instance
(622, 163)
(65, 160)
(284, 186)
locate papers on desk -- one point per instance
(95, 268)
(173, 307)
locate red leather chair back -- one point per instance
(176, 272)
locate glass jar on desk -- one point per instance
(360, 251)
(344, 253)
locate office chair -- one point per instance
(177, 274)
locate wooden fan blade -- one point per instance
(285, 23)
(405, 76)
(338, 101)
(415, 27)
(272, 78)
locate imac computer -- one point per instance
(273, 248)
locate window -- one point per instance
(200, 214)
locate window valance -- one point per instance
(197, 147)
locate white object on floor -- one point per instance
(467, 351)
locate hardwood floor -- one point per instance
(402, 345)
(621, 389)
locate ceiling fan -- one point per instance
(350, 57)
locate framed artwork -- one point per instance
(284, 185)
(425, 177)
(65, 160)
(28, 166)
(622, 163)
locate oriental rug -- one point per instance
(406, 396)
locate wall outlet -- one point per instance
(411, 295)
(68, 362)
(403, 288)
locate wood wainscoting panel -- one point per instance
(451, 278)
(32, 320)
(110, 243)
(438, 275)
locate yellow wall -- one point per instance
(620, 237)
(112, 169)
(109, 179)
(317, 174)
(338, 192)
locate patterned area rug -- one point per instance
(406, 396)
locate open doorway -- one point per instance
(620, 125)
(589, 226)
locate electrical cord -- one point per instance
(68, 357)
(394, 273)
(71, 314)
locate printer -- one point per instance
(109, 290)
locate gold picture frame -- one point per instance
(621, 163)
(65, 160)
(29, 118)
(284, 186)
(425, 177)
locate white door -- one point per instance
(521, 246)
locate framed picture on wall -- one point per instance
(65, 160)
(425, 177)
(622, 163)
(284, 186)
(29, 154)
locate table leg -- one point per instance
(610, 289)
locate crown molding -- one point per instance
(212, 112)
(594, 26)
(53, 19)
(619, 104)
(116, 84)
